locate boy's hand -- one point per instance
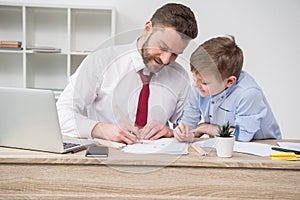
(183, 133)
(206, 128)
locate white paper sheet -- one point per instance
(253, 148)
(160, 146)
(290, 145)
(211, 143)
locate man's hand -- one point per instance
(116, 132)
(155, 130)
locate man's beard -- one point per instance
(147, 58)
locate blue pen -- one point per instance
(236, 132)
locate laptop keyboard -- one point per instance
(69, 145)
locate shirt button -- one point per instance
(210, 116)
(212, 102)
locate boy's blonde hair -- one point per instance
(221, 54)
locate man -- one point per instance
(109, 97)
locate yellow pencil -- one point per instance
(198, 149)
(125, 119)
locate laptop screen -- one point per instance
(29, 120)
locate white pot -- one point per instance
(224, 146)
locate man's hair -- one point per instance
(221, 54)
(176, 16)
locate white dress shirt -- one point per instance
(108, 80)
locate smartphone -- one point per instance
(97, 151)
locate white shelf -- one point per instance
(11, 51)
(11, 23)
(11, 70)
(75, 30)
(46, 71)
(75, 61)
(46, 27)
(92, 24)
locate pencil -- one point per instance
(108, 143)
(198, 149)
(284, 154)
(125, 119)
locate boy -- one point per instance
(223, 93)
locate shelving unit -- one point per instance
(75, 30)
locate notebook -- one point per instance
(29, 120)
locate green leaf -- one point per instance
(224, 130)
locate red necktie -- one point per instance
(142, 109)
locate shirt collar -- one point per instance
(227, 91)
(138, 62)
(235, 85)
(219, 97)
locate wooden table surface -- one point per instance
(35, 175)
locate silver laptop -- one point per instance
(29, 120)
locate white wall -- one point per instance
(267, 30)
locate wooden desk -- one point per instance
(29, 174)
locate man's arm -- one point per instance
(76, 98)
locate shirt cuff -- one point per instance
(85, 127)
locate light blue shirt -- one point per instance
(242, 104)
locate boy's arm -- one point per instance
(206, 128)
(251, 109)
(192, 113)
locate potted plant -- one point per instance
(225, 141)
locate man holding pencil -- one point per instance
(128, 92)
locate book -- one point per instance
(44, 49)
(10, 44)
